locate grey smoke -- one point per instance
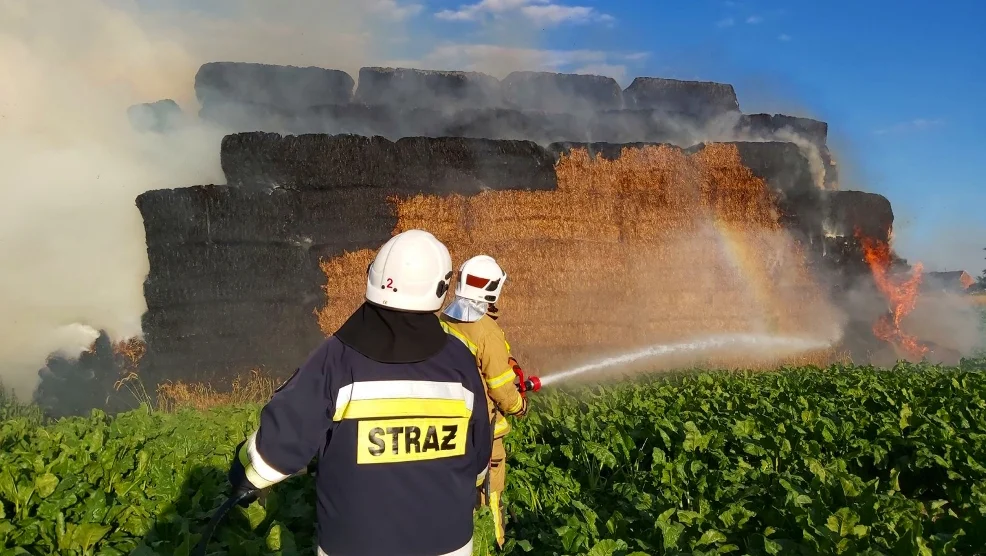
(71, 239)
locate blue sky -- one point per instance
(901, 84)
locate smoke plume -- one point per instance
(72, 249)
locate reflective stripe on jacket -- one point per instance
(486, 341)
(401, 448)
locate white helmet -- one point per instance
(480, 279)
(411, 272)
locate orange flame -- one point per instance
(132, 350)
(902, 296)
(966, 280)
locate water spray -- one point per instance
(753, 341)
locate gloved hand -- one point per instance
(238, 481)
(523, 407)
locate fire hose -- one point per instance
(224, 509)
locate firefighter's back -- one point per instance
(398, 474)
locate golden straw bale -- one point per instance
(542, 215)
(656, 246)
(344, 288)
(444, 217)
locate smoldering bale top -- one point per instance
(701, 98)
(815, 131)
(412, 164)
(415, 88)
(870, 213)
(285, 87)
(561, 92)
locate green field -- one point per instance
(842, 460)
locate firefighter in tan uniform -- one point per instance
(471, 318)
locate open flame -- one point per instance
(966, 280)
(131, 350)
(902, 296)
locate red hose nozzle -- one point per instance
(530, 384)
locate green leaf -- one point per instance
(45, 484)
(607, 547)
(711, 537)
(85, 536)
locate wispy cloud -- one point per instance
(501, 60)
(917, 124)
(394, 9)
(784, 37)
(636, 56)
(540, 12)
(727, 22)
(754, 19)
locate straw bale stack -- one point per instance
(658, 245)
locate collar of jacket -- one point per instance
(390, 336)
(466, 310)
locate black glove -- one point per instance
(238, 481)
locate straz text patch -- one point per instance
(411, 439)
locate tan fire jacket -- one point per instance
(486, 341)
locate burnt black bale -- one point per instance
(159, 117)
(213, 214)
(283, 88)
(467, 166)
(769, 125)
(656, 126)
(440, 90)
(264, 161)
(561, 92)
(411, 164)
(216, 342)
(702, 99)
(849, 211)
(76, 386)
(502, 124)
(216, 273)
(234, 279)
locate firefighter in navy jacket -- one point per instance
(395, 411)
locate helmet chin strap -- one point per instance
(492, 310)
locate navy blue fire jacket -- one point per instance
(401, 448)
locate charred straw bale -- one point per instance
(257, 319)
(280, 87)
(340, 218)
(699, 98)
(412, 164)
(766, 125)
(501, 123)
(561, 92)
(470, 165)
(216, 360)
(209, 273)
(415, 88)
(870, 213)
(644, 126)
(266, 161)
